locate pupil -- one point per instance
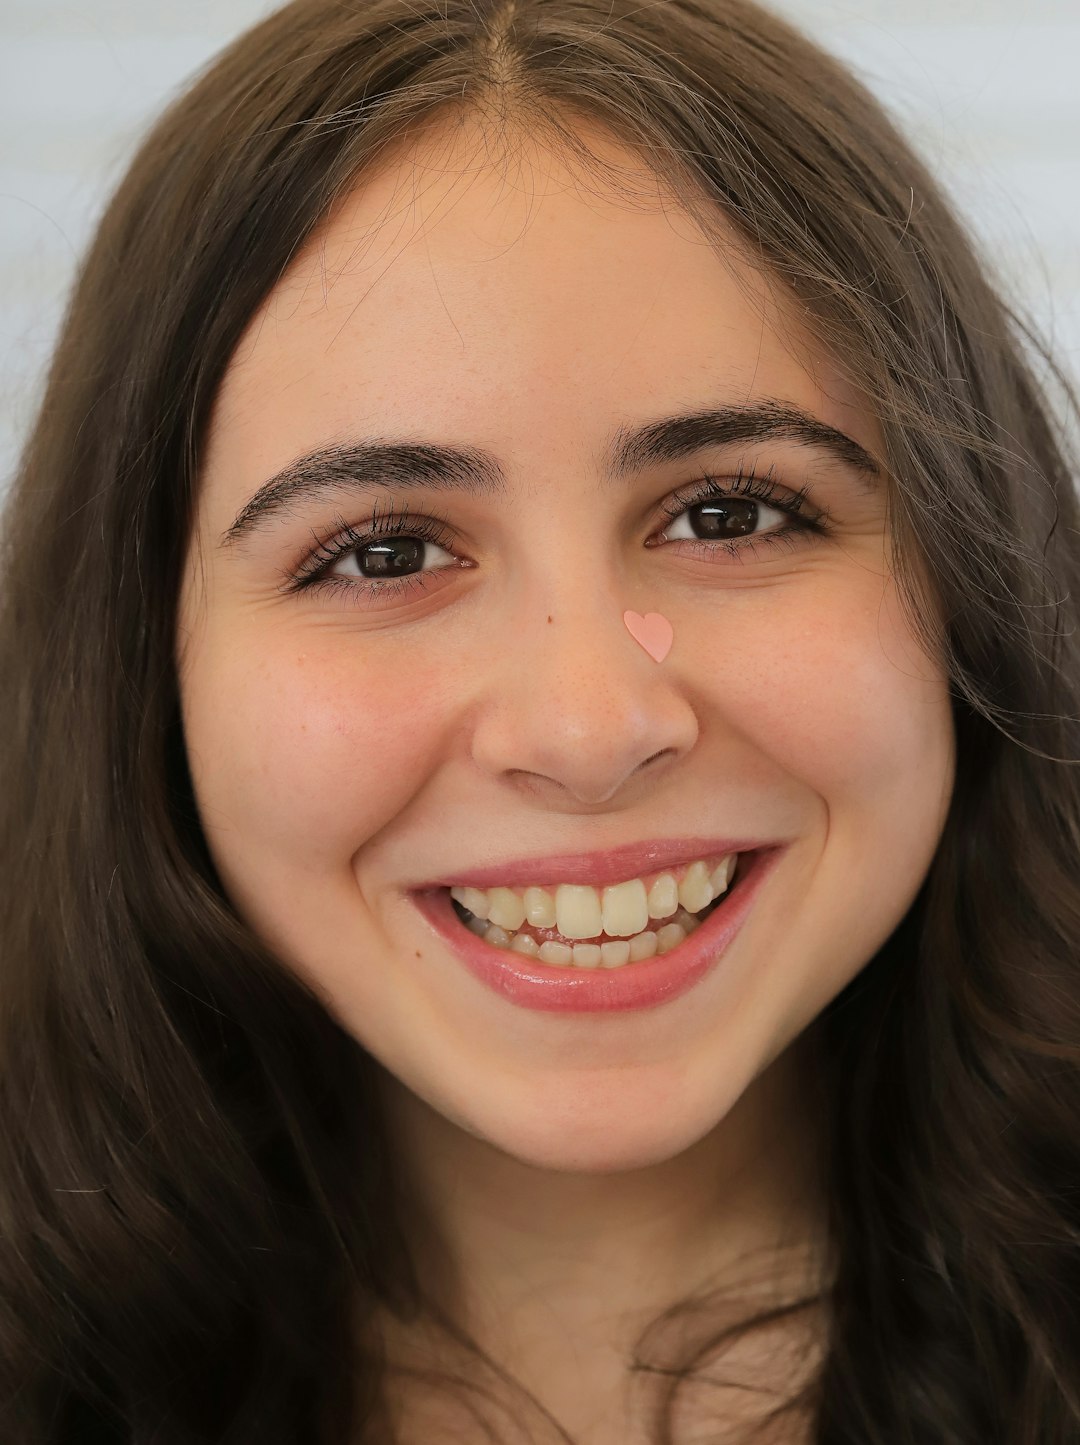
(392, 558)
(724, 518)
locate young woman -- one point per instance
(540, 812)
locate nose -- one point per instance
(578, 711)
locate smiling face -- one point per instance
(348, 744)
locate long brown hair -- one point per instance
(196, 1211)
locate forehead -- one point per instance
(505, 297)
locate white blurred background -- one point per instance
(989, 90)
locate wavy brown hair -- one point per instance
(197, 1217)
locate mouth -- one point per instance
(536, 965)
(580, 927)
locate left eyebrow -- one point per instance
(372, 462)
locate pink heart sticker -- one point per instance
(654, 632)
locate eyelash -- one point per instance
(314, 576)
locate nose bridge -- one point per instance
(578, 702)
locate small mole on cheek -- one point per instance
(418, 953)
(549, 619)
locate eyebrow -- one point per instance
(373, 462)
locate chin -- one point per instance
(578, 1140)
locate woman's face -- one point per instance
(349, 746)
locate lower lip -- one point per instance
(531, 984)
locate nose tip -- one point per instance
(594, 714)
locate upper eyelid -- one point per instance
(799, 500)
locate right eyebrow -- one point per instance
(373, 462)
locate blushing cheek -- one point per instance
(898, 727)
(304, 756)
(848, 705)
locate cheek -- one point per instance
(304, 755)
(844, 701)
(846, 729)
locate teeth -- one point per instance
(539, 907)
(669, 936)
(695, 891)
(663, 896)
(642, 947)
(559, 954)
(586, 955)
(721, 874)
(625, 909)
(472, 899)
(579, 911)
(506, 908)
(614, 953)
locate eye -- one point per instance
(391, 559)
(400, 555)
(721, 520)
(725, 516)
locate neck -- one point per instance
(556, 1275)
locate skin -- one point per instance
(574, 1174)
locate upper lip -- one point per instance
(608, 866)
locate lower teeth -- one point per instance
(612, 954)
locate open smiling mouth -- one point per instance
(569, 927)
(575, 961)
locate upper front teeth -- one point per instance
(579, 911)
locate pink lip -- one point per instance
(610, 865)
(531, 984)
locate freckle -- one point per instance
(549, 619)
(418, 953)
